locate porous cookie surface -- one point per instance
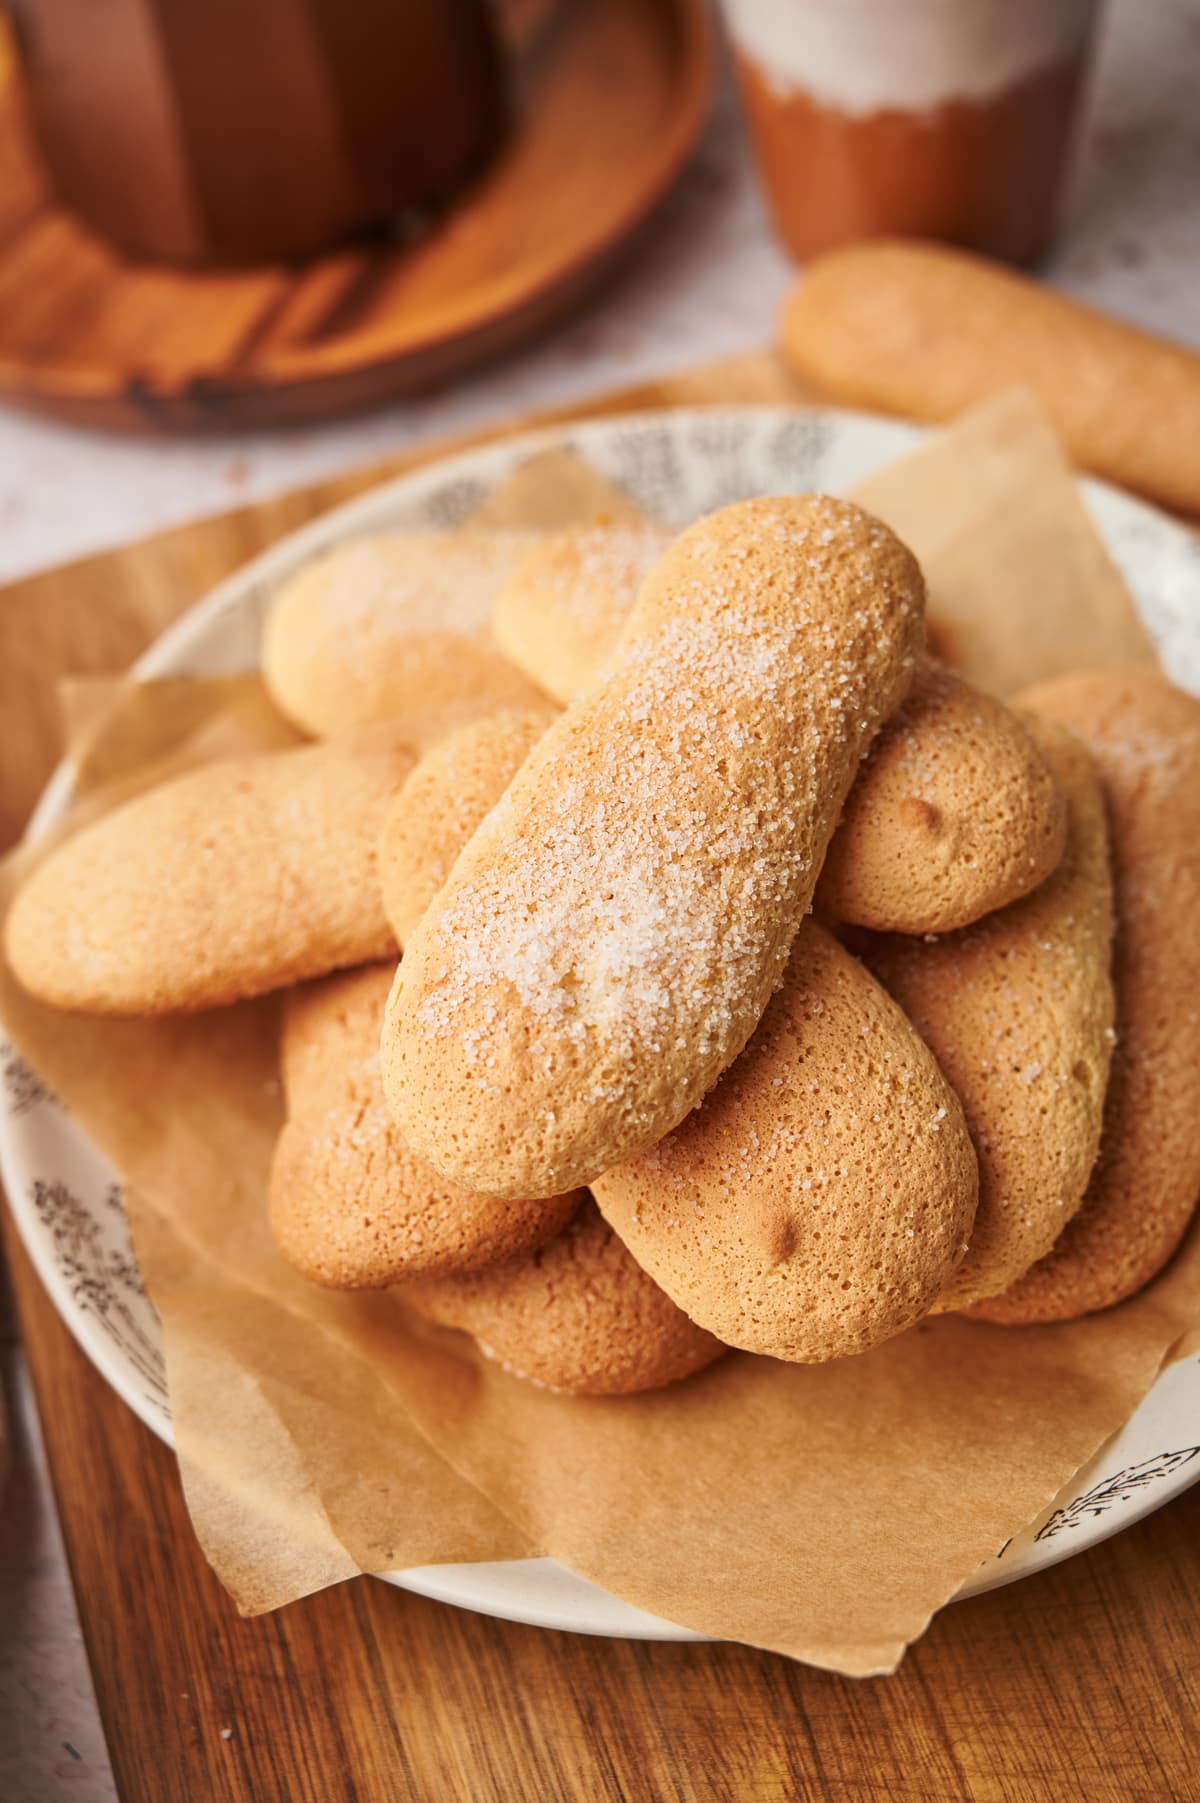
(442, 802)
(927, 331)
(235, 879)
(395, 627)
(565, 602)
(954, 813)
(1018, 1011)
(349, 1205)
(1144, 736)
(611, 934)
(579, 1315)
(819, 1199)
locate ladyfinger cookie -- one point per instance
(349, 1205)
(441, 803)
(1145, 738)
(820, 1197)
(611, 934)
(564, 603)
(1018, 1011)
(953, 813)
(926, 331)
(398, 628)
(580, 1315)
(235, 879)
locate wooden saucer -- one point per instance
(615, 100)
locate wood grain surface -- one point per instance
(1080, 1683)
(610, 106)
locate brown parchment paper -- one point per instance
(823, 1512)
(1013, 563)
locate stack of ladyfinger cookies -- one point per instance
(764, 985)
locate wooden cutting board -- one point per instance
(1079, 1682)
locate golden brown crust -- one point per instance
(818, 1200)
(1144, 736)
(1018, 1011)
(564, 604)
(456, 783)
(954, 813)
(609, 938)
(927, 332)
(233, 880)
(394, 627)
(579, 1315)
(349, 1205)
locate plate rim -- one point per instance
(446, 1582)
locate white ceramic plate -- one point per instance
(67, 1200)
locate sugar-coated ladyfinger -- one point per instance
(579, 1315)
(954, 812)
(819, 1199)
(611, 934)
(1018, 1011)
(1144, 736)
(926, 331)
(238, 878)
(349, 1205)
(394, 627)
(443, 800)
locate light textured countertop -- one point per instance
(708, 284)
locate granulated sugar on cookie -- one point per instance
(394, 627)
(457, 782)
(610, 936)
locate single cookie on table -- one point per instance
(395, 627)
(349, 1205)
(1144, 736)
(954, 812)
(612, 932)
(235, 879)
(819, 1199)
(456, 783)
(580, 1315)
(1018, 1011)
(564, 603)
(927, 331)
